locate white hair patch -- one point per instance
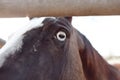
(16, 41)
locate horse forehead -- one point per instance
(55, 23)
(16, 41)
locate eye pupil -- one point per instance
(61, 36)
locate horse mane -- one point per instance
(94, 65)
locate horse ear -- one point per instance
(2, 42)
(69, 19)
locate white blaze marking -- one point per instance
(16, 41)
(34, 48)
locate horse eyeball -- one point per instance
(61, 36)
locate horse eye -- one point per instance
(61, 36)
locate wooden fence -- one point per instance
(32, 8)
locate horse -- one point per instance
(2, 42)
(52, 49)
(117, 65)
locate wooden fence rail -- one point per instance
(32, 8)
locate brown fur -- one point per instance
(117, 65)
(2, 43)
(94, 66)
(72, 59)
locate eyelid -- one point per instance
(64, 30)
(64, 27)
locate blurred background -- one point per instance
(102, 31)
